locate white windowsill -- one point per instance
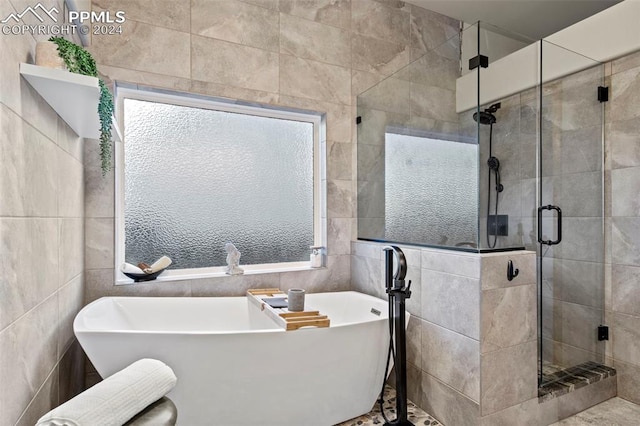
(218, 272)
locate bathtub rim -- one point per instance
(77, 328)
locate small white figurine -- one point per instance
(233, 260)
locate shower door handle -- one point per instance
(559, 218)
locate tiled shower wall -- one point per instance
(314, 55)
(41, 241)
(571, 167)
(574, 284)
(514, 142)
(622, 296)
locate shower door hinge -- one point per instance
(603, 93)
(478, 61)
(358, 120)
(603, 332)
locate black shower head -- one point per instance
(486, 116)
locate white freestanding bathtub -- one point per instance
(235, 366)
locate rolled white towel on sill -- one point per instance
(131, 269)
(159, 264)
(116, 399)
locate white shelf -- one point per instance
(73, 96)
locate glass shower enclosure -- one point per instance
(493, 142)
(570, 180)
(425, 141)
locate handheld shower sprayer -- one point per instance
(394, 277)
(494, 165)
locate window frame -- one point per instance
(128, 91)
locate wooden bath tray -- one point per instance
(282, 316)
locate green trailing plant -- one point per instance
(79, 61)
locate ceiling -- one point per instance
(533, 18)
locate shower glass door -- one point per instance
(570, 211)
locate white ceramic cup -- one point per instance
(295, 298)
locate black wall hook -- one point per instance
(511, 272)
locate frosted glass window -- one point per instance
(431, 190)
(196, 178)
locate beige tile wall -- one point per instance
(41, 241)
(314, 55)
(263, 56)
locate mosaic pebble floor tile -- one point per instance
(415, 414)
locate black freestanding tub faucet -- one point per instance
(398, 293)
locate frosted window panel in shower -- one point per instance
(197, 178)
(430, 190)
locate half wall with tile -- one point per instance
(472, 339)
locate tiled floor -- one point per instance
(613, 412)
(415, 414)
